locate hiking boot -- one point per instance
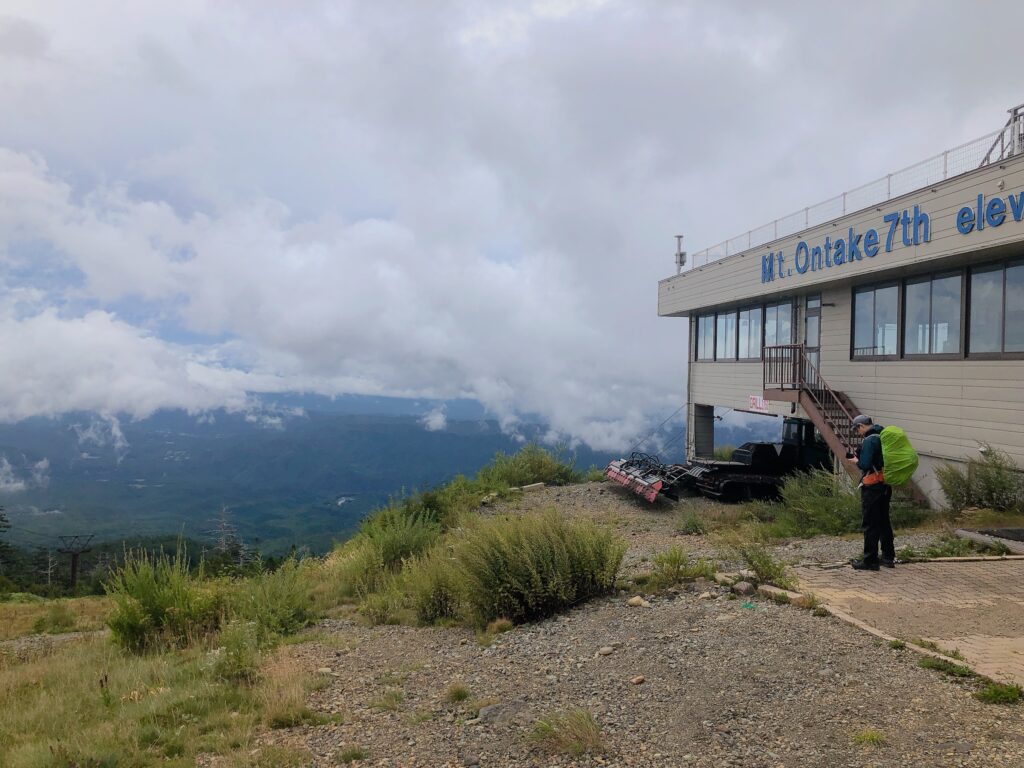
(864, 565)
(888, 562)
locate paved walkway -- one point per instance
(976, 608)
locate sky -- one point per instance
(203, 202)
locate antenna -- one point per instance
(680, 254)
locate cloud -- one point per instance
(12, 481)
(435, 420)
(9, 481)
(443, 200)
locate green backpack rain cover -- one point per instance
(898, 455)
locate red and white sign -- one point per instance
(758, 404)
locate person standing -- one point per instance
(875, 495)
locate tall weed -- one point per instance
(993, 482)
(531, 464)
(277, 602)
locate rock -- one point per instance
(471, 761)
(638, 680)
(743, 588)
(748, 575)
(325, 671)
(606, 650)
(705, 596)
(637, 602)
(499, 713)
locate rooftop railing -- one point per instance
(988, 149)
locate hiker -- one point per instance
(875, 495)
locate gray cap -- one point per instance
(863, 419)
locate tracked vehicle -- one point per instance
(755, 470)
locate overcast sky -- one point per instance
(201, 201)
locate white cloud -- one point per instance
(201, 201)
(36, 475)
(435, 420)
(9, 481)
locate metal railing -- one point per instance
(788, 366)
(993, 147)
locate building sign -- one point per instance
(905, 228)
(758, 404)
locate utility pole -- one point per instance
(75, 546)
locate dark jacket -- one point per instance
(870, 457)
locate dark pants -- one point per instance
(874, 507)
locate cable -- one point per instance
(655, 430)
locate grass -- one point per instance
(946, 667)
(949, 545)
(933, 646)
(572, 733)
(869, 737)
(673, 566)
(999, 693)
(992, 482)
(456, 692)
(897, 645)
(689, 523)
(391, 701)
(22, 618)
(767, 568)
(352, 754)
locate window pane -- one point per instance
(945, 325)
(886, 301)
(1015, 308)
(813, 336)
(986, 311)
(771, 326)
(705, 337)
(754, 348)
(784, 335)
(863, 317)
(814, 302)
(915, 333)
(725, 341)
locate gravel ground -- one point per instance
(33, 646)
(724, 682)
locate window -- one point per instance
(725, 336)
(932, 316)
(997, 309)
(750, 334)
(778, 324)
(875, 316)
(706, 337)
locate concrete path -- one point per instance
(976, 608)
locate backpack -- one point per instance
(898, 456)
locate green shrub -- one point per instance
(352, 754)
(766, 567)
(278, 602)
(158, 602)
(999, 693)
(673, 566)
(531, 567)
(433, 586)
(57, 619)
(237, 656)
(993, 482)
(384, 606)
(594, 475)
(456, 692)
(724, 452)
(532, 464)
(397, 536)
(689, 523)
(947, 667)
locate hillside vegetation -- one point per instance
(198, 664)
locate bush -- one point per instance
(689, 523)
(238, 655)
(532, 464)
(766, 567)
(673, 566)
(993, 482)
(397, 536)
(157, 602)
(724, 452)
(57, 619)
(383, 607)
(433, 587)
(999, 693)
(531, 567)
(277, 602)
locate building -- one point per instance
(902, 299)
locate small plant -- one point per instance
(277, 602)
(573, 733)
(594, 475)
(689, 523)
(946, 667)
(499, 626)
(993, 482)
(724, 452)
(766, 567)
(383, 607)
(820, 611)
(869, 737)
(391, 701)
(456, 692)
(352, 754)
(58, 619)
(532, 464)
(238, 657)
(999, 693)
(673, 566)
(897, 645)
(782, 598)
(933, 646)
(433, 586)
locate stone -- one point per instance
(638, 680)
(605, 650)
(705, 596)
(637, 602)
(743, 588)
(471, 761)
(325, 671)
(747, 575)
